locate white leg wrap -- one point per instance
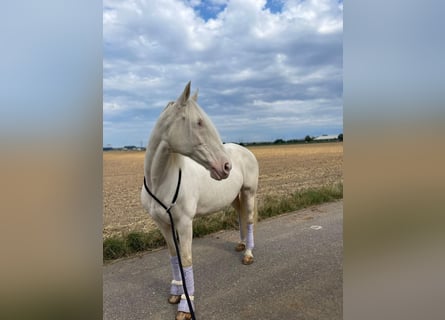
(250, 244)
(189, 282)
(176, 286)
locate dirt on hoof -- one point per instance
(240, 247)
(174, 299)
(247, 260)
(183, 315)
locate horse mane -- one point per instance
(168, 105)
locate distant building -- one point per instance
(130, 148)
(326, 137)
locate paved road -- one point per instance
(297, 274)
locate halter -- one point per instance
(167, 209)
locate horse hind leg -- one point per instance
(241, 245)
(248, 219)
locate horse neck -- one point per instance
(159, 160)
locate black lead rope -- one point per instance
(181, 269)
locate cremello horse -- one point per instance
(214, 175)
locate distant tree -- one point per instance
(340, 137)
(308, 139)
(278, 141)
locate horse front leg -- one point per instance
(185, 232)
(176, 289)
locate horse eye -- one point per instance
(200, 122)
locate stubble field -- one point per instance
(284, 169)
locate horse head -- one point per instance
(191, 133)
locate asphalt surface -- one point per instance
(297, 274)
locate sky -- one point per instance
(265, 70)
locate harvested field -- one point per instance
(284, 169)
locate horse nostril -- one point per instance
(227, 167)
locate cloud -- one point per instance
(243, 56)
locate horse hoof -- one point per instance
(183, 315)
(240, 247)
(174, 299)
(247, 260)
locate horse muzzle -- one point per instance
(220, 172)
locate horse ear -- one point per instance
(195, 96)
(185, 94)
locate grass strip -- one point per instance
(123, 246)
